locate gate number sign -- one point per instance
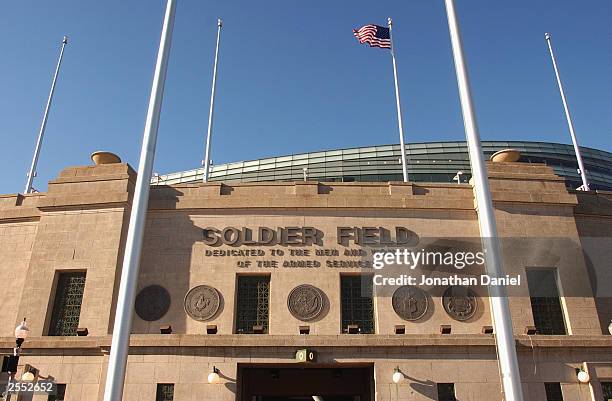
(305, 355)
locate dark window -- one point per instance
(446, 392)
(59, 395)
(606, 390)
(165, 392)
(545, 302)
(357, 303)
(553, 392)
(252, 303)
(67, 304)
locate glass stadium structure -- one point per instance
(427, 162)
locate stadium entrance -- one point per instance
(286, 382)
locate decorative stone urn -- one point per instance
(506, 156)
(101, 157)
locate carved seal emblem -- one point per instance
(410, 303)
(460, 302)
(202, 302)
(305, 302)
(152, 303)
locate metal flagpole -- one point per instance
(129, 274)
(585, 183)
(212, 105)
(399, 108)
(502, 321)
(43, 125)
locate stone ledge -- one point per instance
(344, 340)
(90, 178)
(91, 171)
(597, 203)
(108, 199)
(551, 198)
(20, 214)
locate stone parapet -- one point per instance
(91, 185)
(594, 203)
(527, 183)
(112, 184)
(311, 195)
(17, 207)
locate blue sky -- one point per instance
(292, 78)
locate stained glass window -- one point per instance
(165, 392)
(357, 303)
(253, 303)
(545, 302)
(67, 304)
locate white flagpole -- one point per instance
(43, 125)
(399, 108)
(502, 320)
(131, 262)
(212, 105)
(585, 183)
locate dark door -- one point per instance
(326, 398)
(276, 383)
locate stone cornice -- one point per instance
(102, 343)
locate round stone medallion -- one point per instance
(305, 302)
(152, 303)
(202, 302)
(460, 302)
(410, 303)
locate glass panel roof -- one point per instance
(378, 163)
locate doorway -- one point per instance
(305, 382)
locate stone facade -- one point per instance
(80, 224)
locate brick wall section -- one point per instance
(16, 240)
(80, 227)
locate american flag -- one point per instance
(374, 35)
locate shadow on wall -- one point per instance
(426, 388)
(165, 265)
(596, 239)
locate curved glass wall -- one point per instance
(427, 162)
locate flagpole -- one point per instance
(212, 105)
(43, 125)
(115, 375)
(570, 124)
(502, 320)
(399, 108)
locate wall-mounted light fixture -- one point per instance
(457, 176)
(398, 376)
(21, 333)
(582, 375)
(213, 377)
(27, 377)
(30, 373)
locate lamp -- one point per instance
(583, 377)
(21, 333)
(398, 376)
(213, 377)
(610, 327)
(27, 377)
